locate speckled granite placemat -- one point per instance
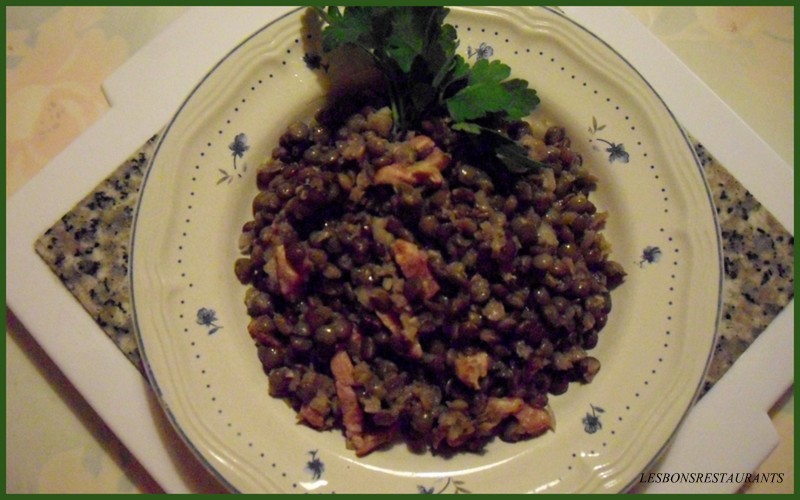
(88, 250)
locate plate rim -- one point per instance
(717, 232)
(149, 370)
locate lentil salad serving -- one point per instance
(403, 287)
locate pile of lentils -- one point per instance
(399, 292)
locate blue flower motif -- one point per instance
(616, 152)
(458, 487)
(238, 148)
(650, 255)
(207, 317)
(239, 145)
(591, 422)
(315, 465)
(484, 51)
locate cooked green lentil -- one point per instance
(398, 292)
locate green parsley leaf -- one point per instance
(502, 148)
(487, 92)
(486, 72)
(522, 101)
(406, 38)
(416, 52)
(516, 159)
(469, 127)
(353, 27)
(417, 34)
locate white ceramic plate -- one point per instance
(191, 322)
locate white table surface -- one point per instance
(57, 59)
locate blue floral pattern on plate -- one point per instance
(650, 255)
(315, 466)
(456, 485)
(591, 422)
(484, 51)
(228, 145)
(208, 318)
(238, 148)
(616, 152)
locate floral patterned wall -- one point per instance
(56, 60)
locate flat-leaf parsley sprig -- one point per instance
(415, 50)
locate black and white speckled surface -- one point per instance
(88, 250)
(759, 266)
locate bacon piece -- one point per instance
(406, 326)
(290, 279)
(343, 369)
(312, 417)
(455, 427)
(352, 415)
(470, 368)
(497, 410)
(315, 412)
(427, 170)
(390, 321)
(535, 421)
(369, 442)
(413, 263)
(422, 144)
(528, 420)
